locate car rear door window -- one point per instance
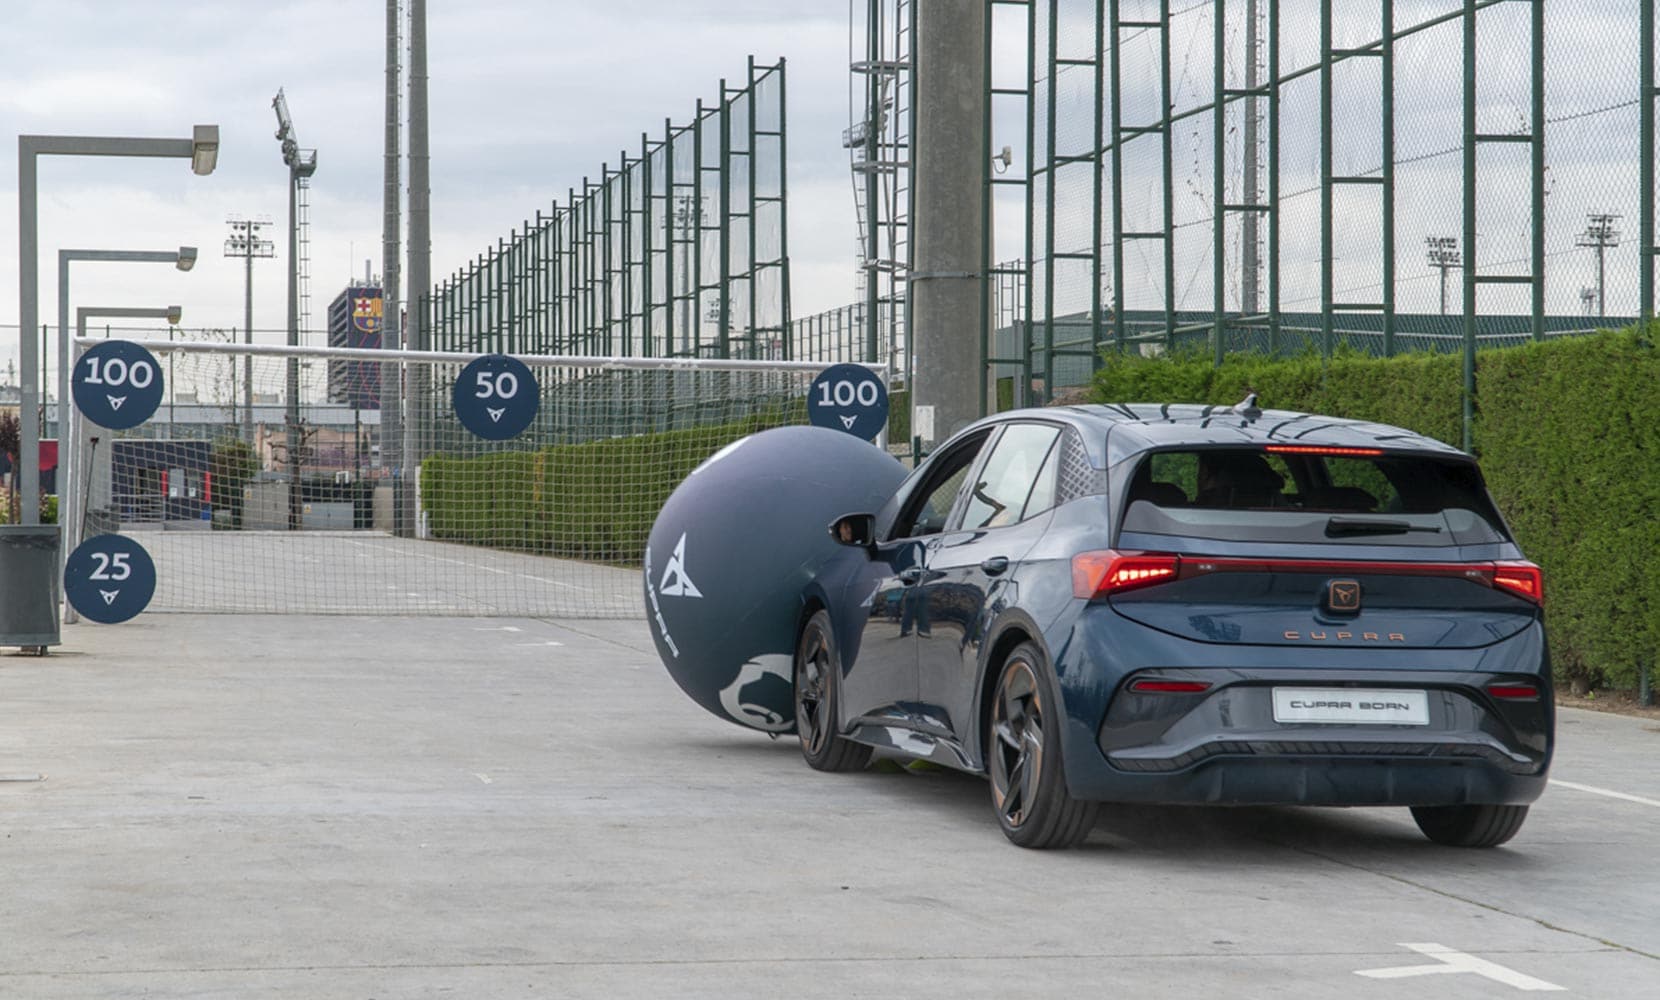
(1010, 476)
(1254, 494)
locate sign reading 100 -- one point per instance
(117, 384)
(848, 398)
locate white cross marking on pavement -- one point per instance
(1450, 961)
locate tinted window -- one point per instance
(926, 510)
(1043, 493)
(1009, 475)
(1249, 494)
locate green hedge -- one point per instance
(594, 501)
(1568, 440)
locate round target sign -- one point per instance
(117, 384)
(496, 397)
(109, 578)
(848, 398)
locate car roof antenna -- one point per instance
(1247, 407)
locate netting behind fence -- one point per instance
(1293, 174)
(291, 508)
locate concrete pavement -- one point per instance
(284, 806)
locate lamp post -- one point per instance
(72, 512)
(184, 258)
(201, 149)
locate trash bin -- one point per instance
(29, 586)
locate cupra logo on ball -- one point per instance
(675, 582)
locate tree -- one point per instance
(232, 465)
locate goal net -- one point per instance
(288, 480)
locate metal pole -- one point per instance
(1166, 102)
(1469, 223)
(1051, 99)
(65, 438)
(248, 362)
(783, 203)
(1219, 216)
(1538, 151)
(1326, 191)
(1250, 265)
(28, 458)
(723, 295)
(420, 250)
(1387, 71)
(946, 281)
(1645, 160)
(1274, 177)
(873, 131)
(391, 237)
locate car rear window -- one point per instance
(1251, 494)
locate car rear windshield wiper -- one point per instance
(1370, 526)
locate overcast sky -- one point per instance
(530, 96)
(527, 96)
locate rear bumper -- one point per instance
(1316, 781)
(1224, 746)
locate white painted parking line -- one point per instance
(1592, 789)
(1450, 961)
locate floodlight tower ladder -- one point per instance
(879, 144)
(302, 201)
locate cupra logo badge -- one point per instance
(1343, 595)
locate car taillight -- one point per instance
(1150, 686)
(1098, 574)
(1514, 692)
(1521, 578)
(1311, 449)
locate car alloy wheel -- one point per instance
(817, 665)
(1028, 788)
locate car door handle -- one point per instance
(994, 565)
(910, 575)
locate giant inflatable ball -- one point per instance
(735, 550)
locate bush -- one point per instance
(594, 501)
(1569, 448)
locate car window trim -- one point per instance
(960, 509)
(932, 481)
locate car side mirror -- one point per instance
(854, 529)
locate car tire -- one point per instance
(817, 673)
(1023, 758)
(1469, 825)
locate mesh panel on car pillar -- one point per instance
(1077, 477)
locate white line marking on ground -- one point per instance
(484, 778)
(1450, 961)
(1607, 792)
(497, 628)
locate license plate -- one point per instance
(1351, 706)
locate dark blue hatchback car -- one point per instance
(1189, 604)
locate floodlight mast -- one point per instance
(301, 163)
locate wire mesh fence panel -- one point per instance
(1285, 175)
(302, 515)
(678, 250)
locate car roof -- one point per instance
(1115, 432)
